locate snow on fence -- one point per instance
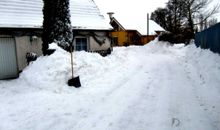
(209, 38)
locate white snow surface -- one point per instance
(28, 14)
(140, 25)
(151, 87)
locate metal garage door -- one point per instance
(8, 61)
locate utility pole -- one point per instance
(147, 27)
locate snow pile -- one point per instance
(157, 86)
(206, 78)
(49, 72)
(52, 72)
(206, 61)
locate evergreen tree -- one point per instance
(62, 25)
(48, 15)
(56, 24)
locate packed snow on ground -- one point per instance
(153, 87)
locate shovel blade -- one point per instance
(74, 82)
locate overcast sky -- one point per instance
(132, 10)
(129, 8)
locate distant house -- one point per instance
(21, 30)
(128, 33)
(154, 31)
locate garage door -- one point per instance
(8, 60)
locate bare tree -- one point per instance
(161, 16)
(175, 9)
(212, 21)
(185, 17)
(198, 9)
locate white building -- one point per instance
(21, 30)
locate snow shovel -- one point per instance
(73, 81)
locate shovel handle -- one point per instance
(71, 53)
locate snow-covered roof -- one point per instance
(140, 25)
(28, 14)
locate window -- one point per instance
(81, 44)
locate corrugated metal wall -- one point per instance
(209, 38)
(8, 61)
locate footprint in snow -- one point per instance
(175, 122)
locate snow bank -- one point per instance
(52, 72)
(156, 86)
(206, 61)
(206, 77)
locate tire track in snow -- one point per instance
(146, 109)
(115, 102)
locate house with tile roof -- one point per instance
(21, 31)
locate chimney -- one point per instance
(110, 14)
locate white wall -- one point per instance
(24, 45)
(94, 46)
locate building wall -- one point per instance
(122, 37)
(103, 36)
(126, 38)
(133, 38)
(25, 45)
(147, 39)
(94, 46)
